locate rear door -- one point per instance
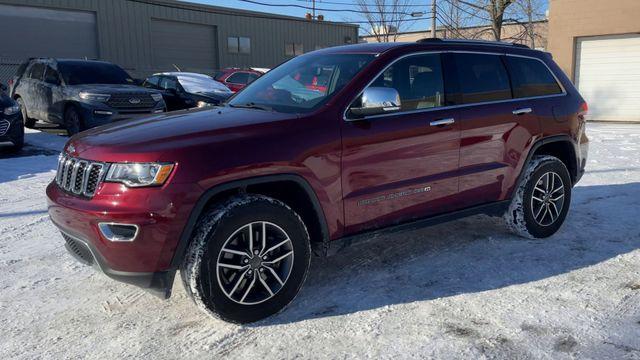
(402, 166)
(495, 127)
(53, 105)
(31, 91)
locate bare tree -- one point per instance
(385, 18)
(492, 10)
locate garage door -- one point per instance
(191, 47)
(608, 76)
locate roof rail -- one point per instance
(466, 41)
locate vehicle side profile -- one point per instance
(80, 94)
(400, 135)
(183, 90)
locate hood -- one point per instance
(155, 138)
(110, 88)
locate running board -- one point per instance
(491, 209)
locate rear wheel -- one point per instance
(248, 259)
(73, 121)
(26, 120)
(541, 202)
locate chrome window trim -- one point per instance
(450, 107)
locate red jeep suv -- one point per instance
(238, 197)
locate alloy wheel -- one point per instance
(255, 263)
(547, 200)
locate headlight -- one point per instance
(204, 104)
(94, 97)
(156, 97)
(12, 110)
(139, 174)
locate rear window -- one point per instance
(531, 77)
(238, 78)
(79, 73)
(482, 78)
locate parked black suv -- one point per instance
(11, 128)
(80, 94)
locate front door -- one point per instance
(402, 166)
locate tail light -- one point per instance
(584, 108)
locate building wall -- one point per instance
(510, 32)
(570, 19)
(124, 30)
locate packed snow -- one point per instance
(466, 289)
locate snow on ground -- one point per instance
(466, 289)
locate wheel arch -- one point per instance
(292, 189)
(561, 146)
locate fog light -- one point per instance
(102, 112)
(118, 232)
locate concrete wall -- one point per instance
(570, 19)
(510, 32)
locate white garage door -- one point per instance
(608, 76)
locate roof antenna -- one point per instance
(177, 68)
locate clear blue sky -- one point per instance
(422, 24)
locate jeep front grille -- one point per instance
(4, 127)
(79, 177)
(131, 101)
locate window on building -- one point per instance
(530, 78)
(482, 78)
(418, 80)
(293, 49)
(239, 45)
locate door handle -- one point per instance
(522, 111)
(442, 122)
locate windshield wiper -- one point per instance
(252, 105)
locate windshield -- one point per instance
(79, 73)
(302, 84)
(201, 84)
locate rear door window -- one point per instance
(238, 78)
(418, 80)
(37, 71)
(530, 77)
(481, 78)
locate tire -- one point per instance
(540, 205)
(72, 121)
(227, 293)
(26, 120)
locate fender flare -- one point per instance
(545, 141)
(187, 231)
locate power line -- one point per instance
(352, 3)
(328, 10)
(467, 11)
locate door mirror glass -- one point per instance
(376, 101)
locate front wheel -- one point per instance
(247, 260)
(72, 121)
(541, 201)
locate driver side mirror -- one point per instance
(376, 101)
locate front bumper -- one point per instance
(11, 124)
(160, 213)
(97, 114)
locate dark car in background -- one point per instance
(11, 127)
(183, 90)
(81, 94)
(235, 78)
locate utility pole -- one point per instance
(434, 8)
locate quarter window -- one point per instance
(418, 80)
(482, 78)
(531, 77)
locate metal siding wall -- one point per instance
(124, 32)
